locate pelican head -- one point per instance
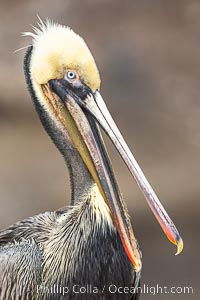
(64, 82)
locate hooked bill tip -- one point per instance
(138, 268)
(175, 238)
(179, 246)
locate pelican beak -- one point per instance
(97, 108)
(80, 111)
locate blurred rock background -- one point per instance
(148, 54)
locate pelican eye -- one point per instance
(71, 75)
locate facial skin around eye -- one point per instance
(72, 77)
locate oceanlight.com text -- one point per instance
(113, 289)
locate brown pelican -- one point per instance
(87, 250)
